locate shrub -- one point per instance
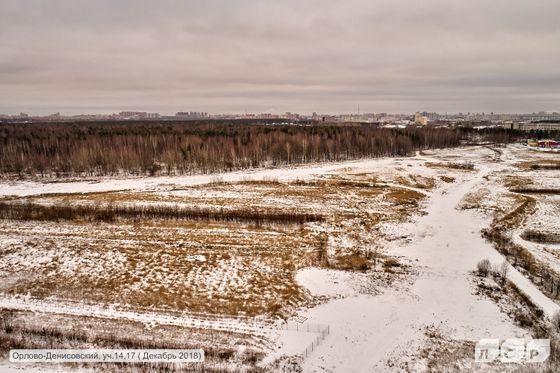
(501, 271)
(483, 267)
(352, 262)
(110, 213)
(525, 321)
(6, 321)
(391, 262)
(555, 321)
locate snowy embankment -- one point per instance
(537, 297)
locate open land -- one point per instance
(371, 262)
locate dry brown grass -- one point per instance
(538, 190)
(247, 268)
(158, 267)
(476, 199)
(518, 255)
(442, 354)
(515, 181)
(541, 237)
(513, 219)
(37, 330)
(464, 166)
(416, 181)
(351, 262)
(539, 164)
(391, 262)
(405, 196)
(447, 179)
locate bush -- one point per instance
(501, 271)
(555, 321)
(483, 267)
(110, 213)
(7, 320)
(352, 262)
(525, 321)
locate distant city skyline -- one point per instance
(100, 111)
(202, 114)
(216, 56)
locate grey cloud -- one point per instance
(316, 55)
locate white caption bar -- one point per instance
(107, 356)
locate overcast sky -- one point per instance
(275, 56)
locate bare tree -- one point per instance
(483, 267)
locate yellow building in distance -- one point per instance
(420, 119)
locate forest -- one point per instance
(176, 148)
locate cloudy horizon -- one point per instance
(262, 56)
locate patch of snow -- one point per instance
(196, 258)
(327, 282)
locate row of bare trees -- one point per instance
(104, 149)
(111, 213)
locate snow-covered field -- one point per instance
(389, 266)
(381, 333)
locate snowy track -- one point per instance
(368, 330)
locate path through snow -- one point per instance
(446, 245)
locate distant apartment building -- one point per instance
(191, 115)
(138, 115)
(545, 126)
(133, 114)
(533, 117)
(267, 116)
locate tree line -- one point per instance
(111, 213)
(169, 148)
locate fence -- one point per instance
(322, 330)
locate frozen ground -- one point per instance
(446, 245)
(374, 326)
